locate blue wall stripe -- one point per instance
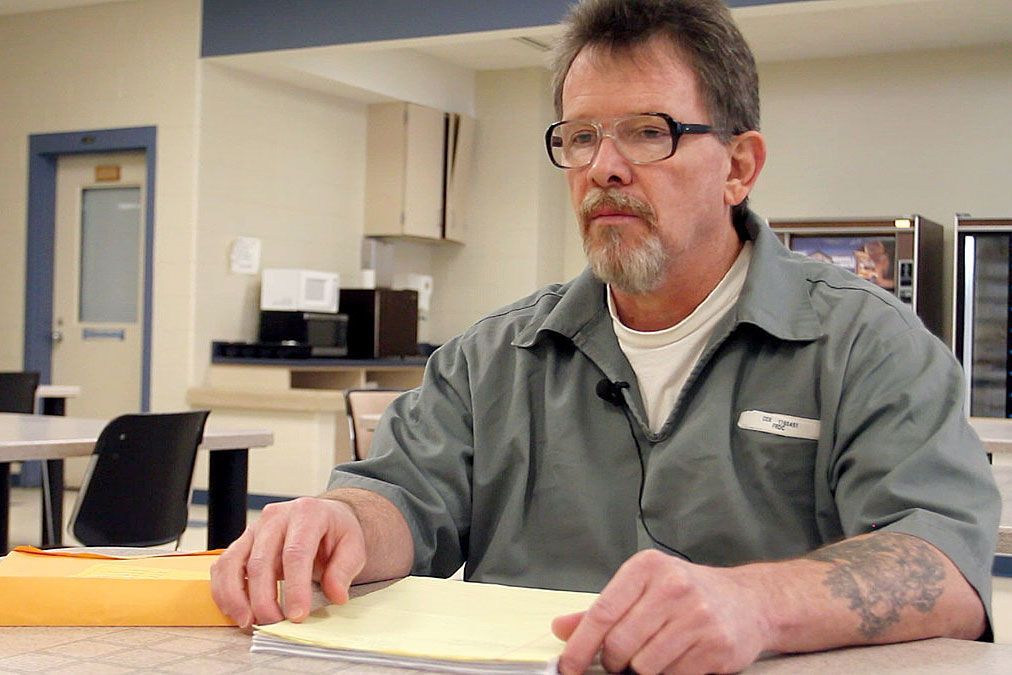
(43, 151)
(244, 26)
(253, 501)
(1002, 566)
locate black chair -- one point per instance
(137, 489)
(17, 395)
(17, 392)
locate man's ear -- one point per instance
(748, 155)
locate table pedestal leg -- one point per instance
(52, 503)
(226, 496)
(5, 504)
(52, 484)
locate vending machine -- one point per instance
(904, 255)
(982, 307)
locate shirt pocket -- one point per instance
(776, 466)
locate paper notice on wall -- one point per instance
(244, 258)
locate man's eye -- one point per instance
(581, 138)
(649, 133)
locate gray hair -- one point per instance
(701, 31)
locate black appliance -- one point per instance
(382, 322)
(982, 318)
(323, 334)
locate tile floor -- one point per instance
(25, 524)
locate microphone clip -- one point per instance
(611, 391)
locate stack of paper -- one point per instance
(88, 588)
(434, 624)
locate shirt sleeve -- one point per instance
(421, 460)
(906, 459)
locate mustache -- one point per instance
(597, 199)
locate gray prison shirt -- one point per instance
(505, 458)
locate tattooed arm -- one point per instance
(660, 613)
(886, 587)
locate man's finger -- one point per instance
(228, 581)
(298, 555)
(344, 564)
(263, 571)
(623, 591)
(563, 626)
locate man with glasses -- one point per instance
(743, 450)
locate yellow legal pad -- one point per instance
(424, 621)
(58, 588)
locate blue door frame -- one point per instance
(43, 151)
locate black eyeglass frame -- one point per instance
(676, 128)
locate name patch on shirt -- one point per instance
(781, 425)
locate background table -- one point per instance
(50, 399)
(55, 438)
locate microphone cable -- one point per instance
(611, 392)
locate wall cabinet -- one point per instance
(418, 169)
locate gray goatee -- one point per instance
(631, 267)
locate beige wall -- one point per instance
(925, 133)
(922, 132)
(281, 164)
(114, 65)
(513, 233)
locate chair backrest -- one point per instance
(364, 407)
(137, 489)
(17, 392)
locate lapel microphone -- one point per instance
(611, 392)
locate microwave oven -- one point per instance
(298, 290)
(325, 334)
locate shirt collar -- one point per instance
(775, 298)
(776, 293)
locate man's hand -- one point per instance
(347, 535)
(662, 614)
(301, 541)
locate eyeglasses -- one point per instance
(641, 138)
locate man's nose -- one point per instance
(609, 167)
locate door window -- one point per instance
(110, 255)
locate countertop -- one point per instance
(1003, 476)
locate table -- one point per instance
(995, 433)
(52, 398)
(24, 437)
(226, 650)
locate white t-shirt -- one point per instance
(663, 359)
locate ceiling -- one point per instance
(793, 31)
(22, 6)
(776, 32)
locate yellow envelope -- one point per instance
(56, 588)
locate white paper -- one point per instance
(244, 258)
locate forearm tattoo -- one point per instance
(882, 574)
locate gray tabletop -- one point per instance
(226, 650)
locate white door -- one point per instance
(98, 284)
